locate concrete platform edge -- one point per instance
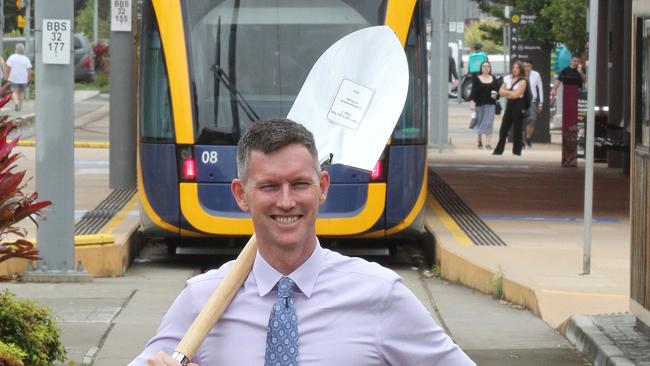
(111, 260)
(593, 343)
(456, 268)
(100, 260)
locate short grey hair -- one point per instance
(20, 48)
(271, 135)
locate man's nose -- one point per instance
(286, 199)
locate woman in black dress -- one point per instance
(513, 89)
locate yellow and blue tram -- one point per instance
(211, 67)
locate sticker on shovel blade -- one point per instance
(350, 104)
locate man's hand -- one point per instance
(163, 359)
(540, 108)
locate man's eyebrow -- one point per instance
(265, 181)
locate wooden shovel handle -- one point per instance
(217, 303)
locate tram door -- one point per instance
(640, 170)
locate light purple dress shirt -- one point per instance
(350, 312)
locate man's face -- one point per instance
(574, 62)
(283, 193)
(527, 68)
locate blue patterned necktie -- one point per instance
(282, 331)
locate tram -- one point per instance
(209, 68)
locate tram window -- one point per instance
(411, 127)
(265, 51)
(643, 84)
(156, 118)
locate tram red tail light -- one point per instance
(186, 164)
(377, 172)
(189, 169)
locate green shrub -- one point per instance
(102, 80)
(31, 328)
(496, 282)
(10, 355)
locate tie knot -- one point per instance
(285, 287)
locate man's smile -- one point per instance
(286, 220)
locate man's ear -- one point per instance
(324, 186)
(238, 192)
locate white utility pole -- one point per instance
(589, 144)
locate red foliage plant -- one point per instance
(15, 205)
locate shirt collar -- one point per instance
(304, 276)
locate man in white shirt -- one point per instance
(19, 69)
(348, 311)
(537, 102)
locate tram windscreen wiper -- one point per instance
(234, 93)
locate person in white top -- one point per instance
(537, 102)
(349, 311)
(19, 70)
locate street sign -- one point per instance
(121, 15)
(460, 27)
(524, 49)
(56, 41)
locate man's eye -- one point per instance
(268, 187)
(301, 185)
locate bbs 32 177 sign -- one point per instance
(56, 41)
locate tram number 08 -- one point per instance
(209, 157)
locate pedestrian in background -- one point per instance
(19, 70)
(513, 89)
(453, 74)
(482, 100)
(537, 103)
(476, 58)
(3, 69)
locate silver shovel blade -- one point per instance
(353, 96)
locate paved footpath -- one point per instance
(107, 322)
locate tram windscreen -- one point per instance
(249, 58)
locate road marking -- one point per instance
(77, 144)
(448, 222)
(576, 293)
(547, 218)
(87, 171)
(91, 162)
(479, 166)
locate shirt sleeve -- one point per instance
(410, 336)
(172, 328)
(540, 88)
